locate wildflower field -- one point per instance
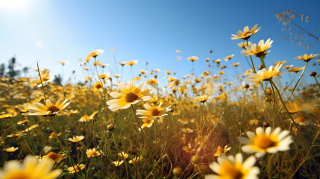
(196, 126)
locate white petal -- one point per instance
(249, 162)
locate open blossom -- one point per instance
(30, 168)
(306, 57)
(151, 112)
(264, 75)
(193, 58)
(233, 167)
(259, 50)
(49, 108)
(130, 94)
(92, 152)
(227, 58)
(76, 138)
(76, 168)
(93, 54)
(132, 62)
(246, 33)
(266, 141)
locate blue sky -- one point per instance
(148, 31)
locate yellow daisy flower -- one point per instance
(87, 118)
(193, 58)
(132, 62)
(76, 138)
(306, 57)
(233, 167)
(264, 75)
(244, 44)
(92, 152)
(259, 50)
(135, 160)
(296, 69)
(227, 58)
(264, 141)
(56, 157)
(123, 155)
(117, 163)
(49, 108)
(93, 54)
(246, 33)
(122, 63)
(129, 95)
(11, 149)
(76, 168)
(151, 112)
(63, 62)
(147, 122)
(30, 168)
(221, 150)
(143, 71)
(236, 64)
(203, 98)
(98, 85)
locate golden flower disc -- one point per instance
(264, 142)
(154, 111)
(131, 97)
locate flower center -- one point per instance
(98, 86)
(247, 34)
(154, 111)
(131, 97)
(18, 175)
(53, 108)
(261, 54)
(262, 141)
(228, 170)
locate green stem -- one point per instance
(305, 67)
(44, 94)
(87, 176)
(283, 104)
(316, 81)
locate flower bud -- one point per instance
(312, 73)
(134, 151)
(260, 67)
(195, 159)
(266, 124)
(110, 127)
(177, 171)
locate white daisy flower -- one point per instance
(262, 141)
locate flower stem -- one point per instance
(44, 94)
(283, 104)
(305, 67)
(316, 81)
